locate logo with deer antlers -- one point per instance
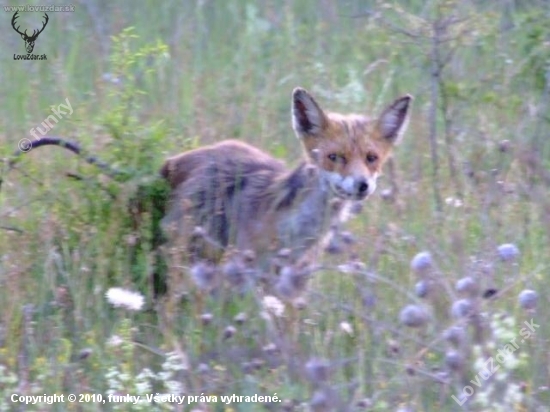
(29, 40)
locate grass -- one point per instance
(147, 80)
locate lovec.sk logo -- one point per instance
(29, 40)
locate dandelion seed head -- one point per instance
(453, 202)
(115, 341)
(127, 299)
(273, 305)
(346, 328)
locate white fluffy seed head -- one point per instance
(123, 298)
(273, 305)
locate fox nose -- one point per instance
(362, 187)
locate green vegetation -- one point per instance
(147, 80)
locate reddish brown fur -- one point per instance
(354, 137)
(242, 197)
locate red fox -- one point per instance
(231, 195)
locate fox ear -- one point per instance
(307, 117)
(394, 120)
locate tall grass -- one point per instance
(147, 80)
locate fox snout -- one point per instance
(351, 187)
(359, 187)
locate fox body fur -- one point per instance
(242, 198)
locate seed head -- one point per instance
(365, 403)
(461, 308)
(203, 368)
(504, 146)
(454, 360)
(127, 299)
(240, 318)
(413, 316)
(115, 341)
(204, 275)
(347, 238)
(284, 253)
(467, 286)
(257, 363)
(422, 288)
(387, 194)
(273, 305)
(317, 370)
(229, 332)
(323, 400)
(334, 246)
(455, 335)
(508, 252)
(206, 318)
(199, 231)
(249, 256)
(528, 299)
(270, 348)
(235, 273)
(347, 328)
(85, 353)
(291, 283)
(421, 262)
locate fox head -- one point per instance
(348, 149)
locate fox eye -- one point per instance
(333, 157)
(371, 158)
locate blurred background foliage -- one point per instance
(148, 79)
